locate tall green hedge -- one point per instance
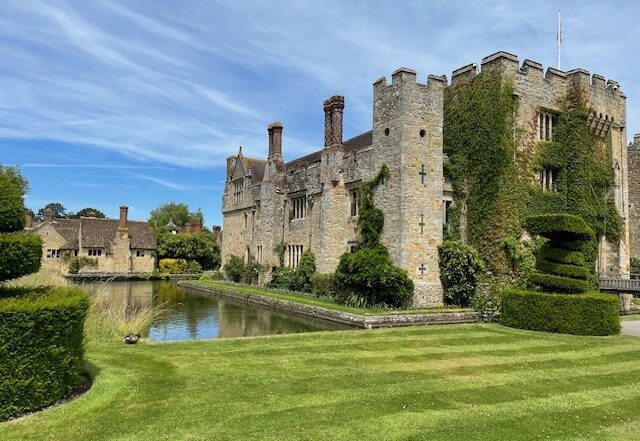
(581, 314)
(41, 346)
(20, 254)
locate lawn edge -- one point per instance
(335, 315)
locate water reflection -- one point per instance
(195, 315)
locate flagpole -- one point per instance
(559, 37)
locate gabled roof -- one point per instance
(245, 166)
(351, 145)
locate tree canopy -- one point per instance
(56, 207)
(177, 211)
(85, 212)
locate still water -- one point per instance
(192, 315)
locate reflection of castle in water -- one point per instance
(196, 315)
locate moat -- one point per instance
(195, 316)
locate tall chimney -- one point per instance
(197, 225)
(636, 139)
(333, 110)
(48, 215)
(187, 228)
(29, 218)
(275, 140)
(122, 224)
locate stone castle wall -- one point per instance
(634, 196)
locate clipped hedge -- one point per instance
(558, 284)
(562, 269)
(561, 255)
(11, 206)
(41, 346)
(20, 254)
(562, 226)
(580, 314)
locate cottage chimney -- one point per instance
(122, 224)
(48, 215)
(333, 111)
(29, 219)
(216, 230)
(275, 140)
(636, 139)
(187, 227)
(197, 226)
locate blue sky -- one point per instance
(105, 103)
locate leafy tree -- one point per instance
(301, 279)
(20, 253)
(13, 173)
(201, 247)
(460, 269)
(56, 207)
(178, 212)
(85, 213)
(234, 269)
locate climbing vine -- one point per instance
(371, 218)
(483, 167)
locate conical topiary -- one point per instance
(560, 264)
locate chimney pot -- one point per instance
(333, 111)
(29, 218)
(275, 140)
(48, 215)
(122, 224)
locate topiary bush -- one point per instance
(369, 275)
(173, 266)
(41, 349)
(581, 314)
(281, 277)
(301, 278)
(560, 265)
(460, 269)
(234, 269)
(324, 285)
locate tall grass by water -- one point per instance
(106, 319)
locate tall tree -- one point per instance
(178, 212)
(56, 207)
(13, 174)
(85, 212)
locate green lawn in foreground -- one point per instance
(456, 382)
(323, 303)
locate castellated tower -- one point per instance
(407, 137)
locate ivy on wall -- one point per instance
(493, 183)
(482, 167)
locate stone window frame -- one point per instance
(140, 253)
(259, 255)
(548, 177)
(238, 190)
(293, 255)
(53, 253)
(299, 207)
(546, 121)
(94, 252)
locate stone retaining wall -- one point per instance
(362, 321)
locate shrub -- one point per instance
(561, 255)
(562, 269)
(324, 285)
(460, 268)
(369, 274)
(11, 206)
(281, 277)
(41, 331)
(301, 279)
(200, 247)
(193, 267)
(234, 269)
(20, 254)
(581, 314)
(76, 263)
(251, 272)
(173, 266)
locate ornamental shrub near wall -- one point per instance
(460, 269)
(580, 314)
(41, 346)
(173, 266)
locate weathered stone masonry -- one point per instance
(310, 202)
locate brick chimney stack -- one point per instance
(197, 226)
(29, 219)
(636, 139)
(333, 111)
(275, 140)
(48, 215)
(187, 228)
(122, 224)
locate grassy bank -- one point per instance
(320, 302)
(440, 382)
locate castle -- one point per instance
(311, 203)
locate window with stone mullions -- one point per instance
(299, 207)
(546, 123)
(238, 190)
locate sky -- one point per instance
(108, 103)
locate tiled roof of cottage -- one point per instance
(100, 233)
(351, 145)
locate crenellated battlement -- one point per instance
(404, 76)
(508, 64)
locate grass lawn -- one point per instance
(321, 302)
(460, 382)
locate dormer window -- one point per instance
(238, 190)
(548, 179)
(547, 121)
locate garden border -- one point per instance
(348, 318)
